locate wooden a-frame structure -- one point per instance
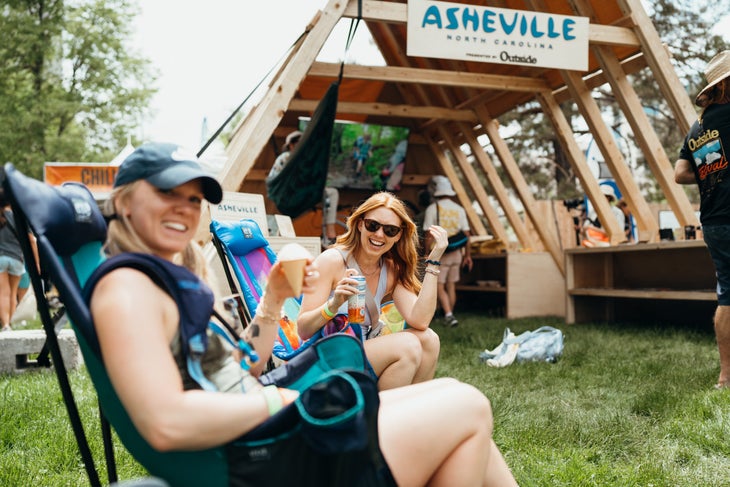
(449, 104)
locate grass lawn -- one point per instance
(625, 406)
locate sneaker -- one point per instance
(451, 321)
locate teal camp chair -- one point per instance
(69, 231)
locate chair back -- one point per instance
(70, 230)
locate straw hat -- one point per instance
(717, 70)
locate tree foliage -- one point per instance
(684, 26)
(71, 88)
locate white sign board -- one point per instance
(497, 35)
(285, 225)
(238, 206)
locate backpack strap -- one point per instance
(192, 297)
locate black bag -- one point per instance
(457, 241)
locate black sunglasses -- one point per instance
(388, 230)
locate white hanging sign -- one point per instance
(497, 35)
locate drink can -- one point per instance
(356, 302)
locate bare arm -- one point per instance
(683, 173)
(418, 310)
(331, 269)
(136, 322)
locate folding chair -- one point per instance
(243, 248)
(69, 231)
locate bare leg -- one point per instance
(13, 297)
(722, 333)
(455, 450)
(395, 359)
(5, 297)
(430, 346)
(444, 299)
(451, 292)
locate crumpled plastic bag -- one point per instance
(542, 345)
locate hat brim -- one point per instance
(444, 193)
(708, 87)
(180, 174)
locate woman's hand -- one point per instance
(345, 288)
(278, 286)
(440, 239)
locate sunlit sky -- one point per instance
(211, 54)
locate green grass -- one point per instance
(625, 406)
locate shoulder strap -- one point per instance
(193, 299)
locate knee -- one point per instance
(411, 350)
(430, 342)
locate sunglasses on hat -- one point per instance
(388, 230)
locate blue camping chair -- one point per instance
(243, 246)
(69, 231)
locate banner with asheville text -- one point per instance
(497, 35)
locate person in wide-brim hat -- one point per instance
(716, 74)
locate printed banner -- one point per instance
(497, 35)
(237, 206)
(98, 177)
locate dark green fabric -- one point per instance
(300, 184)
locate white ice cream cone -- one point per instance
(293, 258)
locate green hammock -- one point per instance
(299, 186)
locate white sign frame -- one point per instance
(475, 33)
(238, 206)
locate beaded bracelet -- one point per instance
(433, 262)
(263, 313)
(435, 272)
(273, 398)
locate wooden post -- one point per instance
(500, 192)
(253, 134)
(474, 221)
(648, 226)
(577, 161)
(548, 237)
(477, 189)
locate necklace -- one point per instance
(368, 274)
(377, 269)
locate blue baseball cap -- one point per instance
(167, 166)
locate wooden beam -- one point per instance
(658, 59)
(474, 221)
(254, 132)
(438, 77)
(646, 222)
(397, 13)
(500, 191)
(548, 237)
(476, 186)
(646, 138)
(384, 109)
(577, 161)
(594, 80)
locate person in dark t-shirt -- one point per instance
(703, 159)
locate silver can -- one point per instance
(356, 302)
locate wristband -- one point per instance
(273, 398)
(433, 262)
(435, 272)
(326, 313)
